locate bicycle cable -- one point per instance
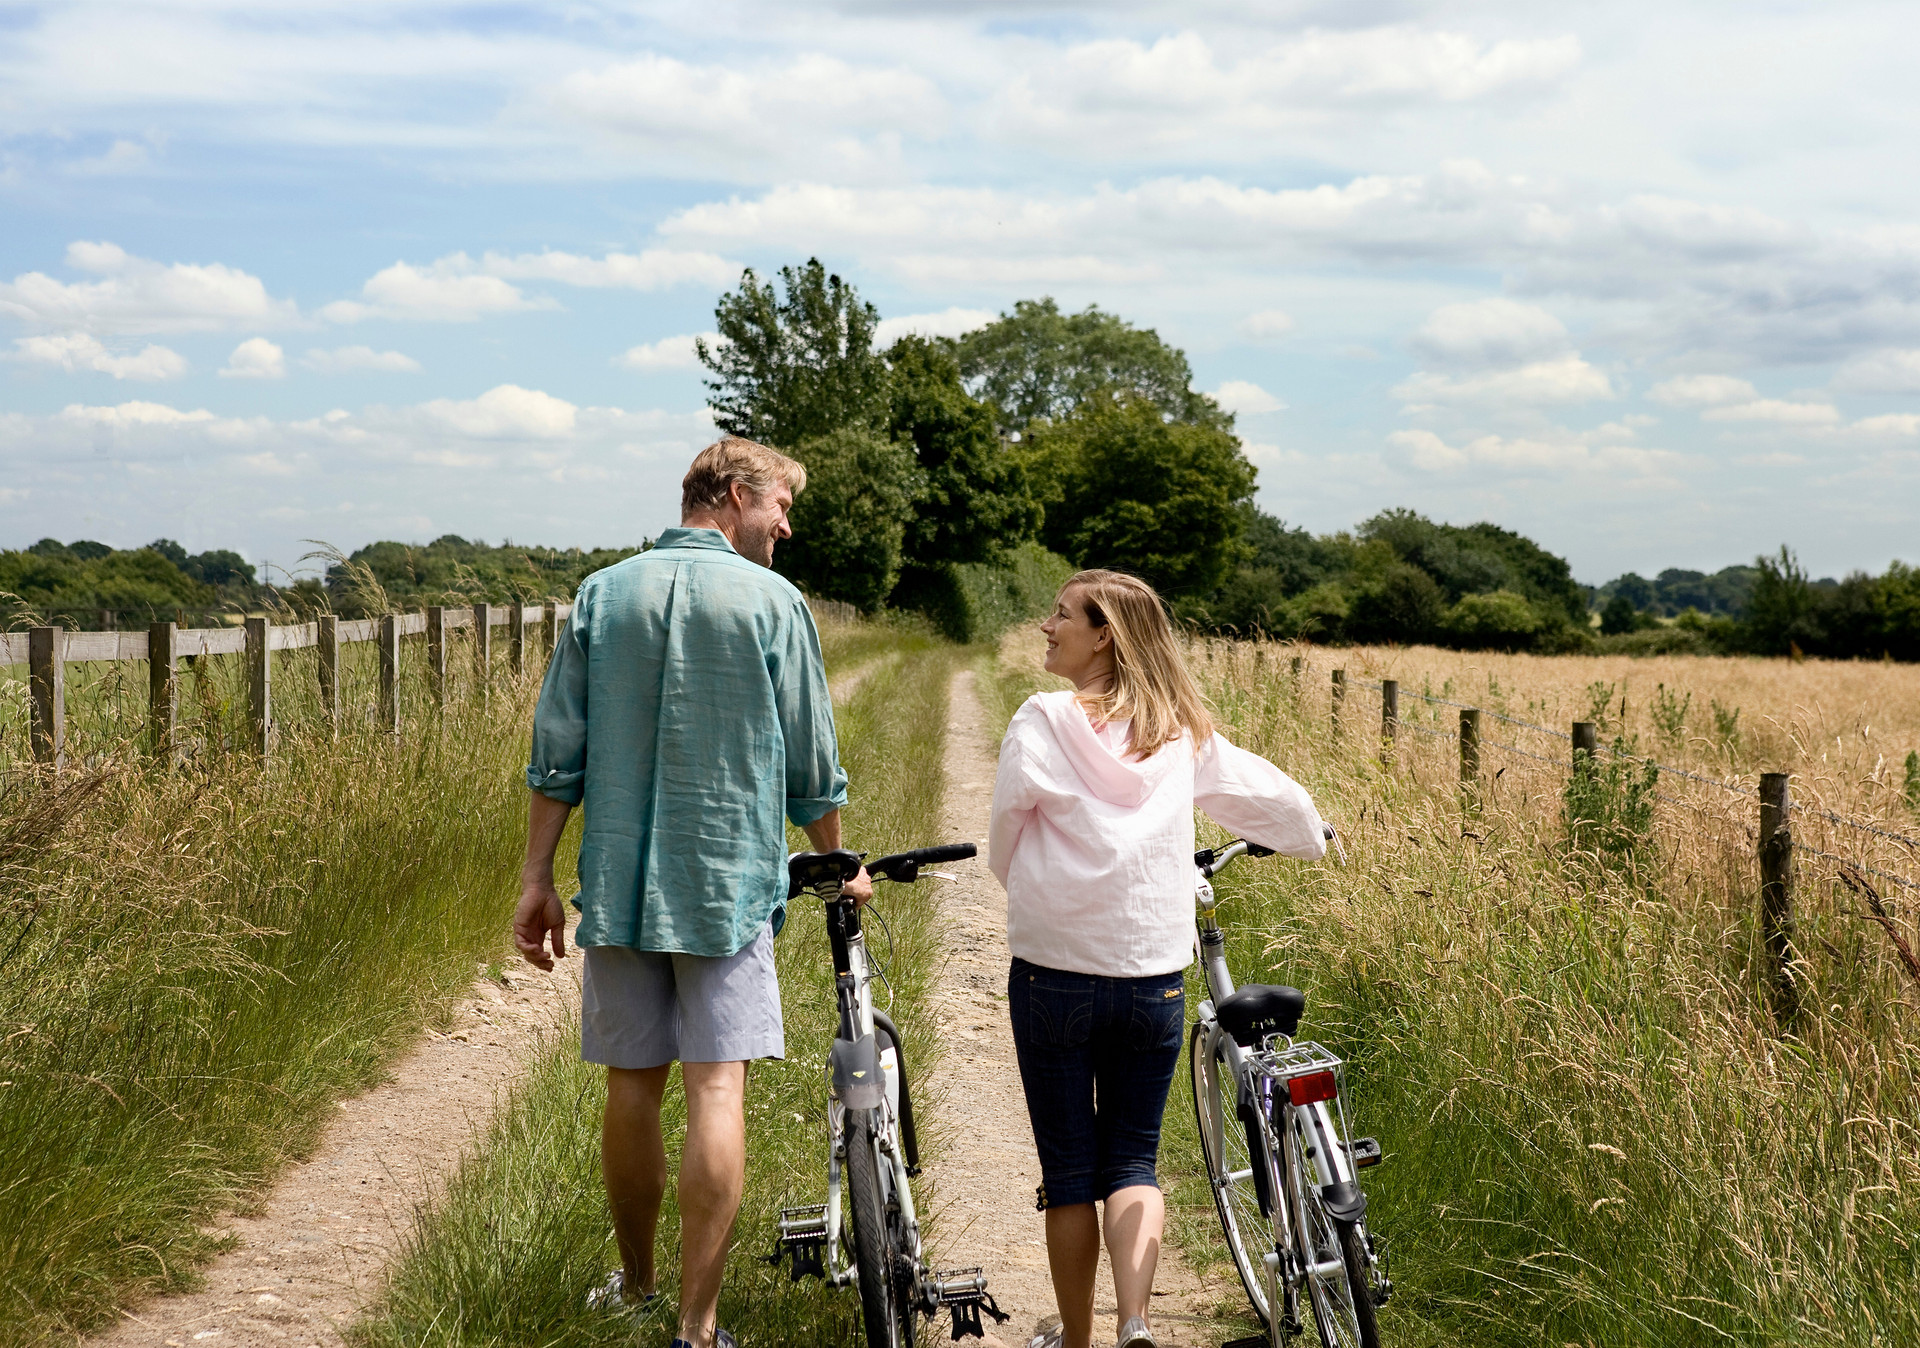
(878, 965)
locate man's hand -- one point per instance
(859, 889)
(824, 834)
(540, 915)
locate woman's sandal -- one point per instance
(1051, 1338)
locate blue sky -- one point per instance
(1639, 280)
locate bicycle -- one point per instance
(872, 1143)
(1273, 1133)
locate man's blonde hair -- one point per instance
(731, 459)
(1151, 686)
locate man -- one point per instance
(687, 704)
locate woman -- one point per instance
(1092, 836)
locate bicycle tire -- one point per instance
(1245, 1214)
(1342, 1307)
(872, 1240)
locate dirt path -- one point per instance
(983, 1185)
(312, 1257)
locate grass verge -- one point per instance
(522, 1234)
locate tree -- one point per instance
(1040, 364)
(1141, 494)
(850, 522)
(975, 502)
(1404, 605)
(1780, 611)
(796, 366)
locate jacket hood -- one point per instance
(1117, 778)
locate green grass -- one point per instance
(523, 1233)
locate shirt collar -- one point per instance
(710, 539)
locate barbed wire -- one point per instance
(1863, 868)
(1830, 816)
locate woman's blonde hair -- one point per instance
(1151, 686)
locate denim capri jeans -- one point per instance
(1097, 1056)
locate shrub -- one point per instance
(1607, 807)
(1655, 641)
(1500, 620)
(976, 601)
(1404, 605)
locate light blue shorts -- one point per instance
(642, 1008)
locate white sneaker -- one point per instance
(1135, 1334)
(611, 1296)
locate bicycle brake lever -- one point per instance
(940, 875)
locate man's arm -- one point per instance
(541, 914)
(824, 834)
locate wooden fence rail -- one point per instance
(47, 651)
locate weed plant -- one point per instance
(523, 1232)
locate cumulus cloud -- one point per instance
(1555, 452)
(651, 269)
(1702, 390)
(1777, 411)
(1905, 425)
(1497, 353)
(669, 353)
(256, 358)
(450, 290)
(136, 414)
(1884, 371)
(136, 295)
(1489, 332)
(75, 352)
(946, 323)
(508, 412)
(1266, 325)
(1240, 397)
(354, 359)
(1566, 379)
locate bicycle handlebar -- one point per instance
(1210, 861)
(806, 869)
(905, 866)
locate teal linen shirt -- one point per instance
(687, 704)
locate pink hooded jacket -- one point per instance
(1095, 846)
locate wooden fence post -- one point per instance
(1389, 716)
(550, 626)
(1293, 666)
(1586, 739)
(163, 690)
(1339, 696)
(437, 654)
(390, 674)
(517, 638)
(259, 684)
(1776, 895)
(46, 672)
(483, 648)
(1470, 747)
(328, 646)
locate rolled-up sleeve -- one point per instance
(559, 766)
(816, 783)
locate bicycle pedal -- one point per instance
(963, 1291)
(803, 1237)
(1365, 1152)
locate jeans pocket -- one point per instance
(1059, 1016)
(1159, 1014)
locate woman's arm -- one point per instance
(1243, 792)
(1013, 793)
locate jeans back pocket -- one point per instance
(1059, 1011)
(1159, 1014)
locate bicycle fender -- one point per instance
(1344, 1201)
(857, 1082)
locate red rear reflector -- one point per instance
(1312, 1089)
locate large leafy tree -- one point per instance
(1038, 364)
(975, 501)
(794, 360)
(1143, 494)
(850, 523)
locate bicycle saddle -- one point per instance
(806, 869)
(1258, 1010)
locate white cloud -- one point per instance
(1567, 379)
(136, 414)
(123, 156)
(447, 291)
(256, 358)
(352, 359)
(1904, 424)
(1777, 411)
(1702, 390)
(946, 323)
(77, 351)
(1266, 325)
(1489, 332)
(135, 295)
(1240, 397)
(1557, 451)
(1885, 371)
(508, 412)
(651, 269)
(669, 353)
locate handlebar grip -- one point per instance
(905, 866)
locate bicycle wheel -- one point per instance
(1237, 1168)
(881, 1309)
(1333, 1252)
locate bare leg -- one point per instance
(1073, 1255)
(713, 1168)
(1135, 1218)
(633, 1159)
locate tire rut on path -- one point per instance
(982, 1195)
(314, 1254)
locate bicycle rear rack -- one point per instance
(964, 1292)
(803, 1235)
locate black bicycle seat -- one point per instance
(1258, 1010)
(806, 869)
